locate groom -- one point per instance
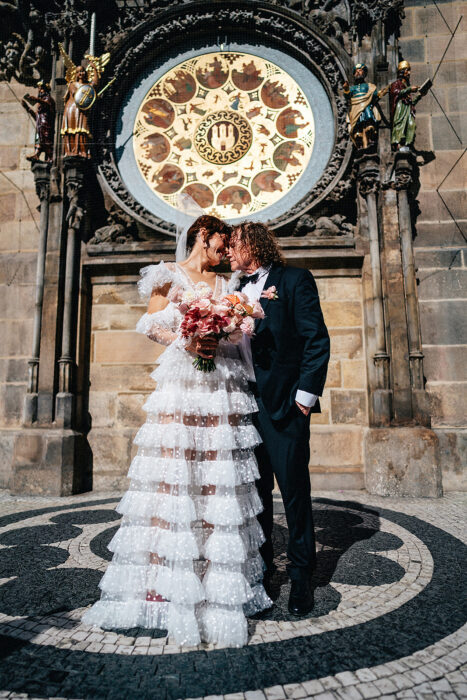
(287, 360)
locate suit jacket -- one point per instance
(290, 348)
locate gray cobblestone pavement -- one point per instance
(389, 619)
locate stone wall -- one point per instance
(19, 221)
(440, 242)
(337, 433)
(121, 363)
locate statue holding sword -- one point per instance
(80, 96)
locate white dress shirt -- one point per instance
(253, 290)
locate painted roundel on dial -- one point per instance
(232, 129)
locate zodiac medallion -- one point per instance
(233, 130)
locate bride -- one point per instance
(186, 554)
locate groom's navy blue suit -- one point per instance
(290, 351)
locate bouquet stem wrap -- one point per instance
(204, 364)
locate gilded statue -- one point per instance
(80, 96)
(364, 113)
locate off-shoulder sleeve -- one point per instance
(154, 277)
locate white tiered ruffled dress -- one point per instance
(186, 554)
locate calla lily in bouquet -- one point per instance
(227, 318)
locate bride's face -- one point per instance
(215, 249)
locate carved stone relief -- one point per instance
(290, 35)
(323, 226)
(120, 228)
(28, 35)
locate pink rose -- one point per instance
(221, 309)
(204, 306)
(270, 293)
(257, 310)
(248, 326)
(204, 327)
(242, 297)
(230, 327)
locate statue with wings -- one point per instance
(79, 98)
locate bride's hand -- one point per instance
(204, 347)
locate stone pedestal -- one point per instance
(44, 462)
(402, 462)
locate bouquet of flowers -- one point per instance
(229, 317)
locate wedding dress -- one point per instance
(186, 554)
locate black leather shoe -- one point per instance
(301, 598)
(269, 585)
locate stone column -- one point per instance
(403, 459)
(403, 180)
(75, 170)
(41, 171)
(51, 457)
(369, 183)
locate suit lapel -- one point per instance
(272, 280)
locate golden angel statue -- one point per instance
(79, 98)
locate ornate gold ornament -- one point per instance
(233, 130)
(223, 137)
(94, 69)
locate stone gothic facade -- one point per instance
(382, 230)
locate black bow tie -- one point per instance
(248, 278)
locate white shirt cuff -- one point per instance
(305, 398)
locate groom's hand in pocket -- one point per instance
(304, 409)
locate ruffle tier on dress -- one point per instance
(186, 554)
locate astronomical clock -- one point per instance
(232, 130)
(246, 132)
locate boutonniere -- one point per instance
(270, 293)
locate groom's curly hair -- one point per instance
(260, 241)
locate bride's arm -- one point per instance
(158, 321)
(157, 324)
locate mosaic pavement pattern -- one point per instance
(389, 619)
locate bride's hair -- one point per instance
(260, 241)
(212, 225)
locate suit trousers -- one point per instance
(285, 453)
